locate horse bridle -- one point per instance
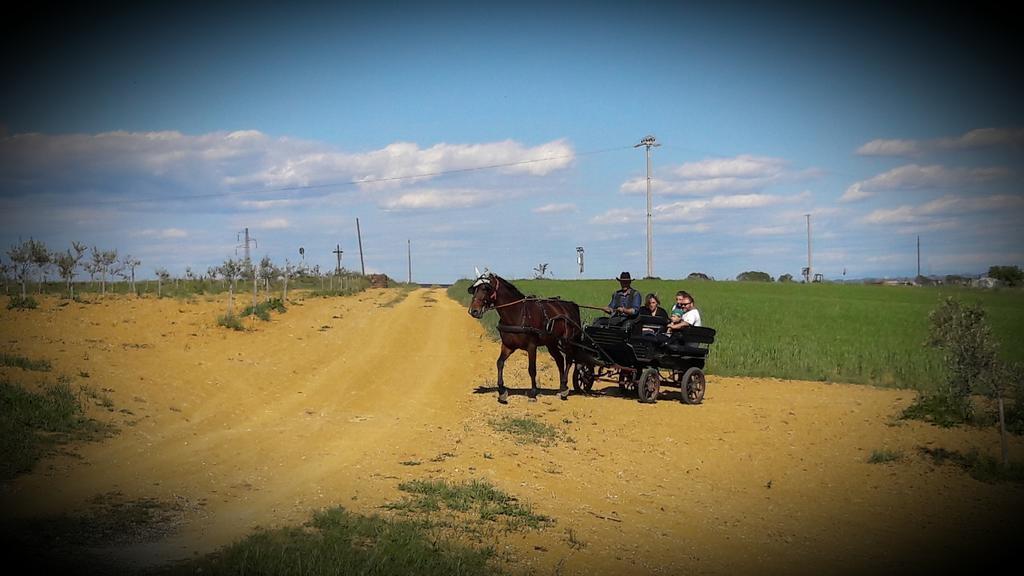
(488, 301)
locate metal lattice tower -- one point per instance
(648, 142)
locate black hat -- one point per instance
(625, 277)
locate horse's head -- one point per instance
(483, 291)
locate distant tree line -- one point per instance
(32, 262)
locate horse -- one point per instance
(526, 323)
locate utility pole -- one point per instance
(359, 235)
(252, 267)
(338, 252)
(810, 269)
(408, 246)
(648, 142)
(918, 256)
(579, 261)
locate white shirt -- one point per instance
(692, 317)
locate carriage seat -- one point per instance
(690, 341)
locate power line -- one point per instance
(299, 188)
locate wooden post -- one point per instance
(359, 235)
(1002, 435)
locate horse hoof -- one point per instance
(533, 398)
(503, 399)
(564, 395)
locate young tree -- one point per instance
(102, 260)
(162, 275)
(21, 260)
(130, 263)
(230, 270)
(1012, 275)
(540, 270)
(66, 265)
(267, 272)
(286, 272)
(972, 358)
(41, 259)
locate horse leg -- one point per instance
(532, 351)
(502, 391)
(563, 386)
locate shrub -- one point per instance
(973, 367)
(1012, 275)
(230, 321)
(22, 303)
(884, 455)
(754, 276)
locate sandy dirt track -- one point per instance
(328, 403)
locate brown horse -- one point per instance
(526, 323)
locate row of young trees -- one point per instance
(32, 260)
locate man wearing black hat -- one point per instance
(626, 301)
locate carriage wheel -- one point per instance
(648, 387)
(692, 385)
(583, 378)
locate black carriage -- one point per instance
(639, 355)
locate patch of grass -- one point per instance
(336, 541)
(31, 424)
(101, 399)
(981, 467)
(939, 409)
(526, 430)
(231, 321)
(884, 456)
(19, 303)
(488, 501)
(403, 292)
(808, 332)
(24, 363)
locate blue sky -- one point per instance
(163, 132)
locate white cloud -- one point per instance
(890, 148)
(740, 174)
(554, 208)
(772, 230)
(696, 209)
(942, 213)
(274, 224)
(972, 140)
(222, 161)
(618, 216)
(916, 177)
(436, 199)
(161, 234)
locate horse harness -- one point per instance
(524, 318)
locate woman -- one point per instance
(652, 307)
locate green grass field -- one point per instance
(832, 332)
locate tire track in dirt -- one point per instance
(322, 406)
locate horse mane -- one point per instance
(511, 287)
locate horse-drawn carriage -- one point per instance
(638, 355)
(635, 352)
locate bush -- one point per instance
(230, 321)
(973, 367)
(22, 303)
(754, 276)
(1012, 275)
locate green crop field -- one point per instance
(841, 333)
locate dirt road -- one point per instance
(331, 403)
